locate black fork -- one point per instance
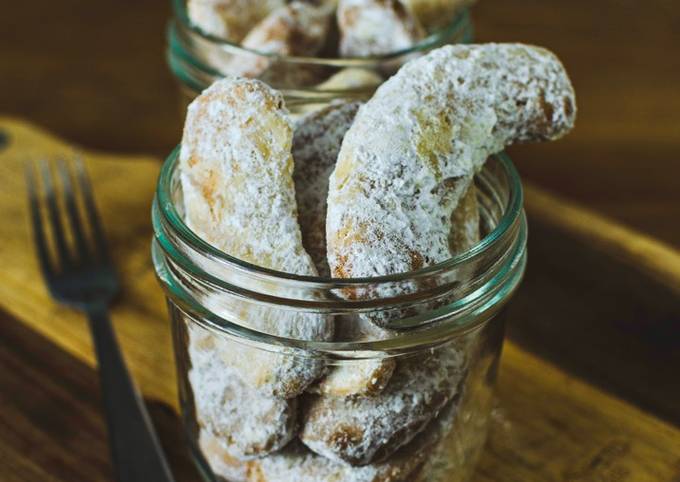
(84, 278)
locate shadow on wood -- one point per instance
(53, 423)
(603, 303)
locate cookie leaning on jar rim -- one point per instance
(398, 176)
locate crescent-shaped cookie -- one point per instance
(316, 144)
(363, 430)
(248, 423)
(376, 27)
(369, 377)
(237, 179)
(295, 463)
(296, 29)
(229, 19)
(414, 148)
(361, 377)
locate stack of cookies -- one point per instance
(268, 31)
(332, 28)
(352, 190)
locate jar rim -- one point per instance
(459, 22)
(431, 328)
(170, 215)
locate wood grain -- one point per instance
(51, 424)
(619, 325)
(621, 158)
(124, 193)
(95, 73)
(641, 252)
(601, 301)
(550, 425)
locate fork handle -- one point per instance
(136, 452)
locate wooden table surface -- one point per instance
(93, 73)
(549, 424)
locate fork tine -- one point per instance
(86, 190)
(53, 210)
(38, 231)
(72, 210)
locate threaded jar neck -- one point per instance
(430, 305)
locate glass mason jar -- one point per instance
(197, 59)
(404, 403)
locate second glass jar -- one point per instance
(197, 59)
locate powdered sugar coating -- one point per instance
(236, 175)
(362, 377)
(229, 19)
(297, 464)
(235, 156)
(295, 29)
(464, 233)
(375, 27)
(363, 430)
(247, 422)
(316, 144)
(415, 146)
(280, 374)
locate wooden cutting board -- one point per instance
(550, 425)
